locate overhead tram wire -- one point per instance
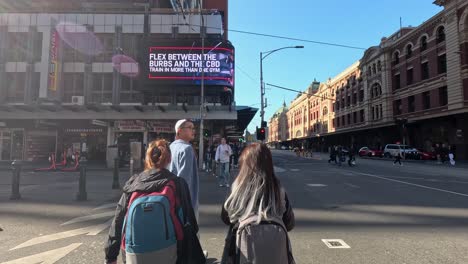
(274, 36)
(301, 92)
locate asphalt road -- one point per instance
(415, 213)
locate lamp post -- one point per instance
(263, 55)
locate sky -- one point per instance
(356, 23)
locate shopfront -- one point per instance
(11, 144)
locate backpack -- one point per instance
(152, 227)
(264, 242)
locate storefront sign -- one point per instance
(84, 130)
(53, 65)
(160, 127)
(130, 125)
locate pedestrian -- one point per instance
(398, 158)
(131, 223)
(223, 154)
(183, 162)
(257, 210)
(332, 154)
(451, 155)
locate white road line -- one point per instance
(413, 184)
(48, 257)
(278, 169)
(351, 185)
(90, 231)
(106, 206)
(316, 185)
(89, 217)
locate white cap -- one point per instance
(179, 124)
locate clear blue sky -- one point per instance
(359, 23)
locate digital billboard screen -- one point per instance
(185, 65)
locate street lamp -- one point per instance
(263, 55)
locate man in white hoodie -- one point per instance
(223, 153)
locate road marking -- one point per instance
(89, 217)
(106, 206)
(413, 184)
(335, 243)
(48, 257)
(316, 185)
(295, 169)
(278, 169)
(90, 231)
(351, 185)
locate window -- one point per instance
(379, 66)
(349, 119)
(443, 98)
(424, 70)
(17, 46)
(343, 121)
(396, 58)
(396, 82)
(380, 110)
(442, 64)
(355, 117)
(409, 76)
(440, 34)
(369, 71)
(361, 95)
(15, 84)
(102, 88)
(426, 100)
(354, 98)
(337, 122)
(409, 51)
(74, 86)
(130, 92)
(411, 107)
(107, 41)
(423, 43)
(348, 100)
(325, 111)
(398, 107)
(374, 69)
(361, 113)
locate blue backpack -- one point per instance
(152, 227)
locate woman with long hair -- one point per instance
(146, 198)
(257, 198)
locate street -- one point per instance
(374, 212)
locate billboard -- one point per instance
(186, 65)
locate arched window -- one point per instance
(396, 57)
(379, 66)
(423, 43)
(409, 51)
(374, 69)
(369, 71)
(325, 111)
(440, 34)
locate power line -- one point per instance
(274, 36)
(297, 91)
(246, 74)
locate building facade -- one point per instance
(410, 89)
(88, 75)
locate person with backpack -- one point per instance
(258, 212)
(152, 216)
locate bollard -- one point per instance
(82, 196)
(115, 181)
(131, 167)
(15, 180)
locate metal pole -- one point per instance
(202, 103)
(261, 89)
(115, 179)
(82, 196)
(15, 180)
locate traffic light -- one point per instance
(206, 132)
(261, 133)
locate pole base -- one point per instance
(81, 196)
(15, 197)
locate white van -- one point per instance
(391, 150)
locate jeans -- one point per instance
(223, 178)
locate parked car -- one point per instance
(391, 150)
(426, 155)
(367, 152)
